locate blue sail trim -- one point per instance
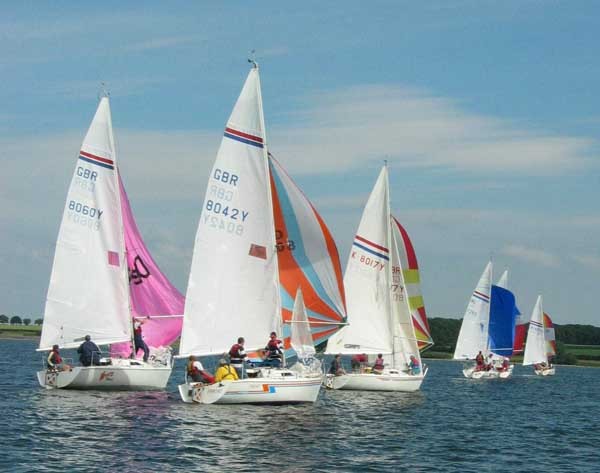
(503, 315)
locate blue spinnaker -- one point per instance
(503, 314)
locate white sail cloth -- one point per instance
(88, 291)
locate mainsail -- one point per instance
(473, 335)
(151, 293)
(258, 240)
(88, 292)
(535, 348)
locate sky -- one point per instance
(487, 112)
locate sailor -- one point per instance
(138, 340)
(479, 361)
(89, 353)
(225, 372)
(274, 350)
(413, 365)
(336, 366)
(54, 361)
(197, 373)
(237, 356)
(378, 366)
(358, 362)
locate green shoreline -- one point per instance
(10, 332)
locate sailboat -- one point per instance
(259, 239)
(93, 291)
(541, 344)
(380, 317)
(488, 328)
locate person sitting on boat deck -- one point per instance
(378, 366)
(54, 361)
(89, 353)
(138, 340)
(540, 366)
(505, 365)
(413, 365)
(274, 350)
(225, 372)
(336, 366)
(490, 363)
(479, 365)
(197, 373)
(237, 356)
(358, 362)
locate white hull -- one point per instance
(120, 375)
(387, 381)
(471, 373)
(546, 372)
(271, 386)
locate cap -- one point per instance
(222, 361)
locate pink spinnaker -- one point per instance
(151, 293)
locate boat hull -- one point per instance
(272, 387)
(120, 375)
(399, 381)
(546, 372)
(471, 373)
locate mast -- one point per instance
(125, 270)
(265, 151)
(392, 320)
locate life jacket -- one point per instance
(236, 354)
(191, 369)
(54, 358)
(137, 330)
(273, 348)
(378, 364)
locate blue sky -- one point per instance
(488, 113)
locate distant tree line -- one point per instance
(16, 320)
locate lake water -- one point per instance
(452, 425)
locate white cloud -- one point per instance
(531, 255)
(589, 261)
(412, 127)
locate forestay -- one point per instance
(367, 282)
(473, 335)
(88, 292)
(232, 289)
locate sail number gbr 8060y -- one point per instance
(84, 215)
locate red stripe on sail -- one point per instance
(244, 135)
(374, 245)
(93, 156)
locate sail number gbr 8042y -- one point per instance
(218, 211)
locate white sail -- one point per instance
(301, 338)
(405, 341)
(367, 281)
(233, 286)
(88, 292)
(473, 335)
(503, 281)
(535, 348)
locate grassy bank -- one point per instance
(14, 331)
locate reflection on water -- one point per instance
(453, 424)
